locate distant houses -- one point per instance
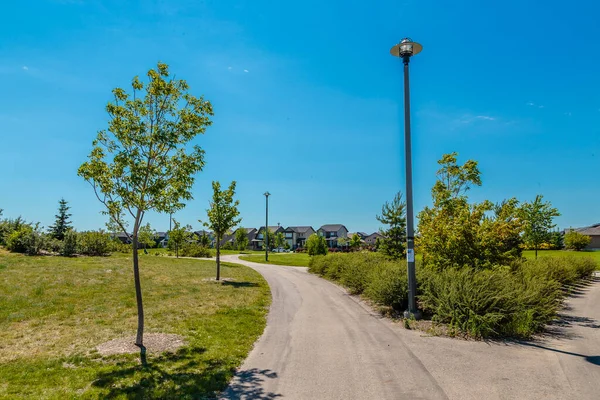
(332, 232)
(295, 236)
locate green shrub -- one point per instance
(357, 269)
(195, 250)
(488, 303)
(316, 245)
(379, 278)
(53, 245)
(69, 247)
(94, 243)
(8, 226)
(388, 285)
(329, 266)
(17, 240)
(564, 270)
(576, 241)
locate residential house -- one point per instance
(257, 242)
(161, 239)
(372, 238)
(251, 233)
(122, 236)
(593, 231)
(296, 235)
(332, 232)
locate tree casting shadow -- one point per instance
(247, 385)
(240, 284)
(168, 376)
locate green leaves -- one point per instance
(538, 220)
(223, 212)
(316, 245)
(142, 161)
(455, 233)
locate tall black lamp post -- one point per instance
(266, 232)
(405, 50)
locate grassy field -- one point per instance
(565, 253)
(291, 259)
(165, 251)
(54, 311)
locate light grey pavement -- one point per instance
(321, 343)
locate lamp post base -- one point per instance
(416, 315)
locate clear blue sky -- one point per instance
(308, 100)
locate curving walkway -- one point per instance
(321, 343)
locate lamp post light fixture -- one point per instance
(266, 232)
(405, 50)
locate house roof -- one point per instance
(248, 230)
(375, 234)
(592, 230)
(299, 229)
(271, 228)
(203, 232)
(332, 227)
(362, 235)
(161, 234)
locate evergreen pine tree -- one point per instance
(394, 238)
(62, 223)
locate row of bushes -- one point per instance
(515, 301)
(29, 240)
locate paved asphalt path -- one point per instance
(321, 343)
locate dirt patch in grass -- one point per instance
(155, 343)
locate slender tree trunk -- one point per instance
(139, 340)
(218, 259)
(536, 252)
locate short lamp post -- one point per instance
(405, 50)
(266, 232)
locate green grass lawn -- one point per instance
(240, 252)
(54, 311)
(566, 253)
(291, 259)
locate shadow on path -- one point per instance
(247, 384)
(591, 359)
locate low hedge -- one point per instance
(376, 277)
(515, 301)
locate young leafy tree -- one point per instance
(279, 240)
(271, 239)
(143, 162)
(455, 233)
(556, 240)
(204, 240)
(62, 223)
(394, 215)
(576, 241)
(241, 239)
(538, 220)
(178, 236)
(222, 216)
(316, 245)
(147, 236)
(343, 241)
(355, 241)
